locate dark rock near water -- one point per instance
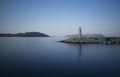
(92, 40)
(26, 34)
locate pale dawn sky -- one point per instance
(60, 17)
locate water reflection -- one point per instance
(79, 52)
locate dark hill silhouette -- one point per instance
(26, 34)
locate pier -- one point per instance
(92, 39)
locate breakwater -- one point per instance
(93, 40)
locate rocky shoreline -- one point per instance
(91, 40)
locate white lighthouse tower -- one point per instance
(80, 31)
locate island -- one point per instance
(91, 39)
(26, 34)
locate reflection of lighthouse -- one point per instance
(80, 31)
(79, 52)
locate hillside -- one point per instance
(26, 34)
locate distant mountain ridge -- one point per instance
(26, 34)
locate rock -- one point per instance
(93, 40)
(26, 34)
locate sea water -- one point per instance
(46, 57)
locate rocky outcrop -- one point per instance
(93, 40)
(26, 34)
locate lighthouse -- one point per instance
(80, 31)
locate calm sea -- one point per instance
(46, 57)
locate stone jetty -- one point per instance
(92, 39)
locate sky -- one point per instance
(60, 17)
